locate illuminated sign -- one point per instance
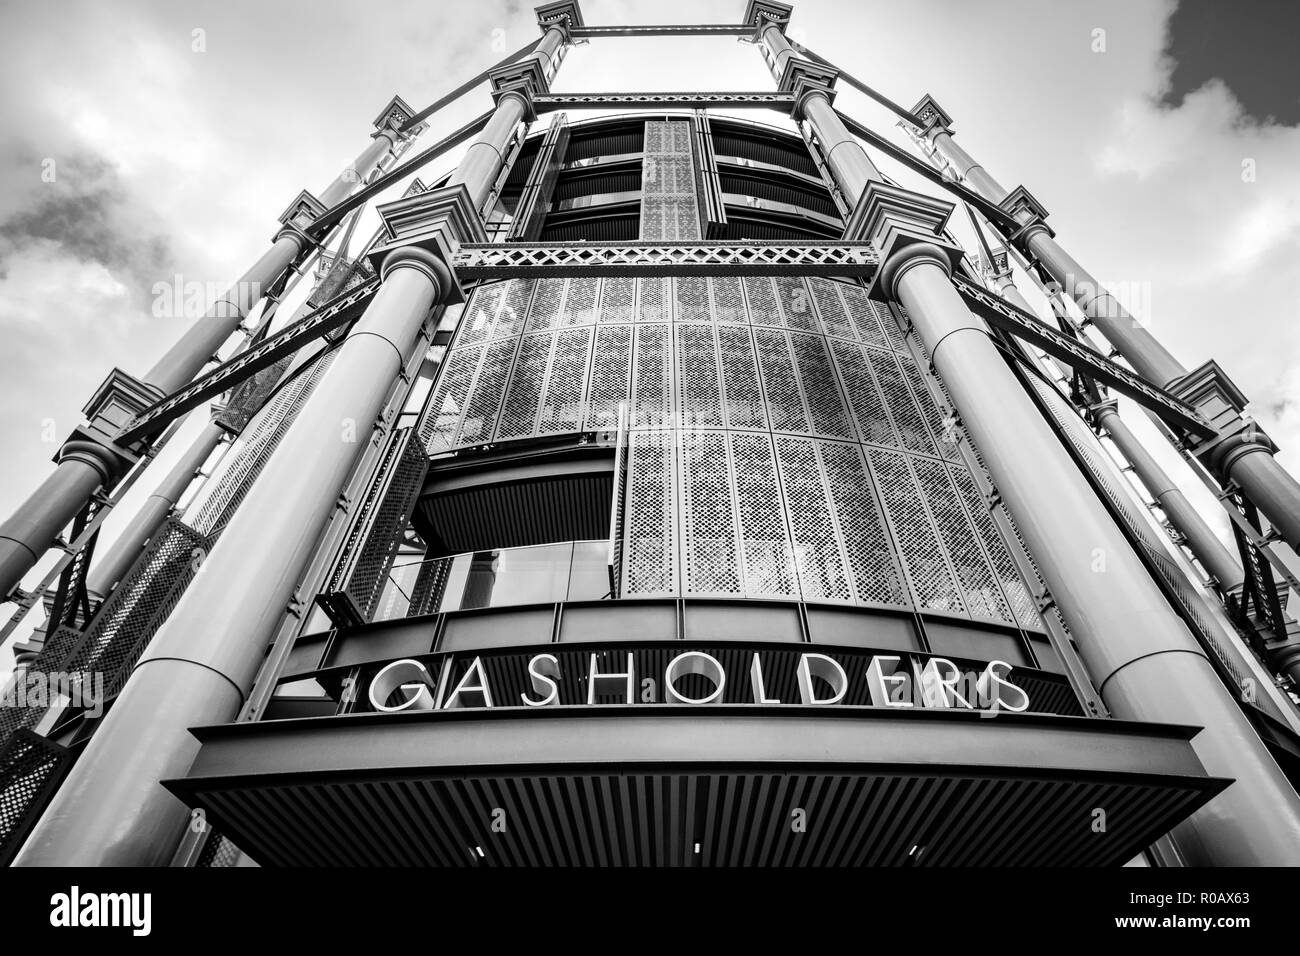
(698, 678)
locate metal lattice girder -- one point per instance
(675, 101)
(1003, 315)
(332, 315)
(529, 260)
(665, 30)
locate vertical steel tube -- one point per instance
(26, 535)
(112, 810)
(1186, 520)
(110, 565)
(1265, 482)
(1145, 663)
(848, 162)
(1204, 543)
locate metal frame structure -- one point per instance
(204, 663)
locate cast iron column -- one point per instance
(1145, 663)
(1185, 519)
(86, 466)
(1243, 453)
(200, 666)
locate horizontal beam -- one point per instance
(465, 87)
(665, 30)
(332, 216)
(502, 261)
(861, 87)
(337, 312)
(1003, 315)
(783, 102)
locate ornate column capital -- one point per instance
(932, 115)
(893, 220)
(761, 14)
(805, 78)
(395, 114)
(435, 222)
(1021, 205)
(998, 268)
(118, 400)
(523, 80)
(1209, 390)
(299, 214)
(562, 15)
(1097, 410)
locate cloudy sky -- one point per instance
(1162, 137)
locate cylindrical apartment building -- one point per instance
(664, 535)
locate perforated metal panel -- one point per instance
(514, 307)
(480, 313)
(980, 588)
(361, 573)
(943, 436)
(697, 376)
(652, 390)
(611, 368)
(834, 318)
(776, 391)
(923, 555)
(618, 300)
(796, 304)
(649, 537)
(908, 421)
(728, 301)
(31, 768)
(580, 302)
(743, 395)
(874, 425)
(548, 298)
(241, 466)
(442, 416)
(652, 304)
(780, 386)
(1013, 586)
(766, 555)
(566, 382)
(138, 606)
(485, 395)
(874, 566)
(524, 394)
(708, 524)
(863, 314)
(816, 546)
(820, 388)
(760, 296)
(691, 300)
(669, 208)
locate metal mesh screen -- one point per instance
(784, 440)
(31, 767)
(243, 463)
(362, 571)
(649, 538)
(708, 525)
(669, 208)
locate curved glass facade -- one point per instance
(783, 441)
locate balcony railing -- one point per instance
(537, 574)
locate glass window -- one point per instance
(589, 579)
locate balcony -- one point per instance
(537, 574)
